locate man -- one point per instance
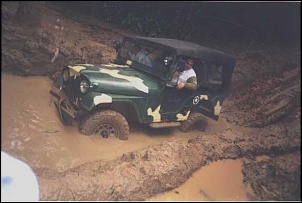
(140, 56)
(184, 81)
(187, 78)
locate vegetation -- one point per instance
(270, 22)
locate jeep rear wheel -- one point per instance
(107, 123)
(193, 118)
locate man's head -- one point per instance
(189, 63)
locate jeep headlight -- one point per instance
(84, 85)
(65, 74)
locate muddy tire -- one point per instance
(107, 123)
(193, 118)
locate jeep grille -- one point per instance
(72, 89)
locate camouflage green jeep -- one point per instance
(105, 97)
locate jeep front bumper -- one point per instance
(67, 112)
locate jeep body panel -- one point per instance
(115, 83)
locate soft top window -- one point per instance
(147, 55)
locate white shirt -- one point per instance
(142, 57)
(185, 75)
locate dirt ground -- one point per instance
(261, 116)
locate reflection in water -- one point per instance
(219, 181)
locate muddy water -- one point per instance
(32, 131)
(219, 181)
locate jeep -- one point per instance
(104, 98)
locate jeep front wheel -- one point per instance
(193, 118)
(107, 123)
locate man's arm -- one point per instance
(191, 83)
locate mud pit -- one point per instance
(71, 166)
(218, 181)
(32, 131)
(32, 127)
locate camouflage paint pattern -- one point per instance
(136, 82)
(155, 114)
(181, 117)
(217, 108)
(102, 99)
(111, 83)
(76, 69)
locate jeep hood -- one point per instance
(117, 79)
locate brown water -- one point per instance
(219, 181)
(32, 132)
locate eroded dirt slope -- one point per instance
(58, 42)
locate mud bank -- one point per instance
(141, 174)
(275, 179)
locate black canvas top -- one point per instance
(190, 49)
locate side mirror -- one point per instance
(117, 45)
(168, 60)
